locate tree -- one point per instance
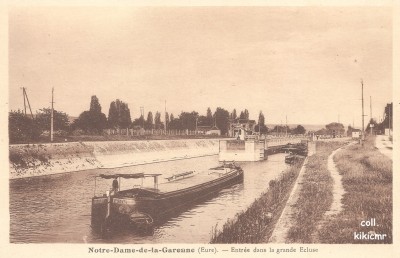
(260, 127)
(157, 121)
(60, 120)
(203, 121)
(322, 131)
(149, 122)
(139, 122)
(92, 121)
(22, 128)
(166, 120)
(171, 117)
(188, 120)
(299, 130)
(335, 129)
(234, 115)
(280, 129)
(174, 124)
(95, 105)
(244, 115)
(263, 129)
(209, 118)
(261, 119)
(222, 120)
(119, 115)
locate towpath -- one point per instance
(279, 235)
(384, 145)
(286, 220)
(338, 189)
(338, 192)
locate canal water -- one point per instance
(56, 208)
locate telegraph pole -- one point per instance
(142, 114)
(370, 107)
(52, 115)
(370, 114)
(25, 95)
(165, 115)
(286, 126)
(362, 115)
(390, 117)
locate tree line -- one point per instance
(93, 121)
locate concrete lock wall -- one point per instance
(233, 150)
(27, 160)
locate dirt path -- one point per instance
(279, 235)
(286, 220)
(338, 192)
(338, 189)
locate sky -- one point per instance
(305, 63)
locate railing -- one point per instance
(137, 132)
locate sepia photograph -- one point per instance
(200, 125)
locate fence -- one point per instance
(138, 132)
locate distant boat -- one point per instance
(141, 206)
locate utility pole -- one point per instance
(196, 125)
(52, 115)
(286, 126)
(370, 114)
(142, 114)
(370, 107)
(390, 116)
(362, 115)
(25, 95)
(165, 115)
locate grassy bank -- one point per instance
(367, 179)
(257, 223)
(316, 194)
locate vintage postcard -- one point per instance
(175, 129)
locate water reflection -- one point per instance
(57, 208)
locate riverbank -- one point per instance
(28, 160)
(315, 195)
(257, 222)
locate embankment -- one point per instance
(27, 160)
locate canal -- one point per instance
(56, 208)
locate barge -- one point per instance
(142, 206)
